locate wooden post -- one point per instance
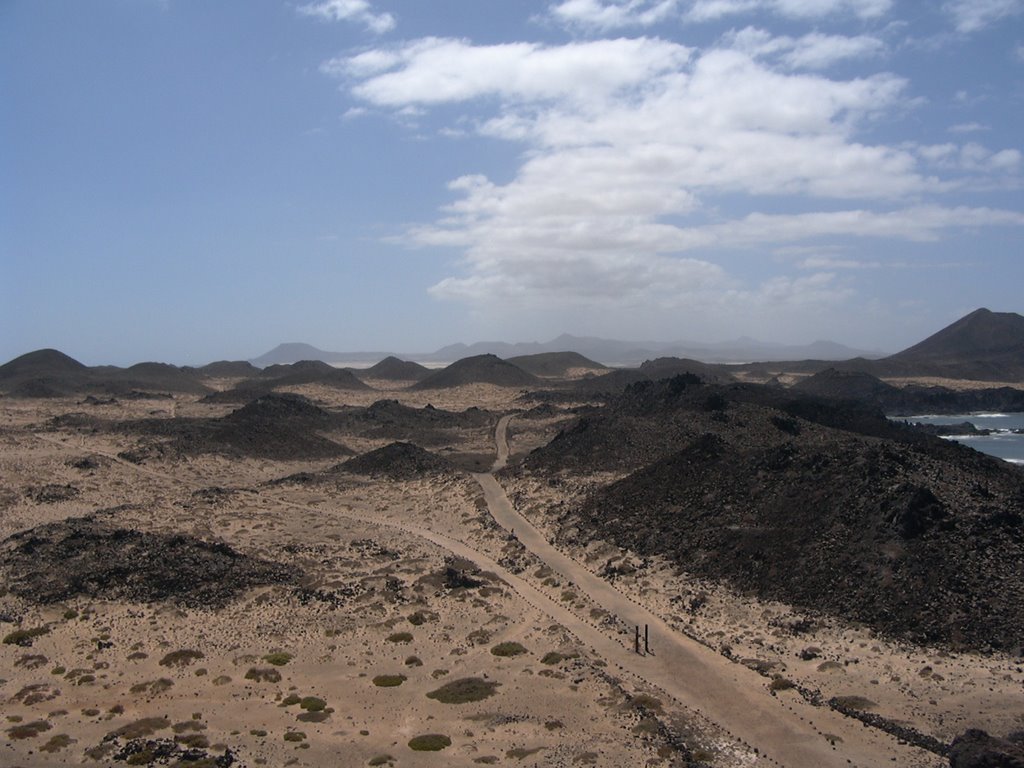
(647, 648)
(636, 642)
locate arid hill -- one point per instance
(50, 373)
(393, 369)
(397, 461)
(556, 364)
(981, 346)
(981, 337)
(825, 506)
(390, 419)
(42, 362)
(274, 426)
(480, 369)
(277, 378)
(227, 369)
(666, 367)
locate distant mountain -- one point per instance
(607, 352)
(294, 352)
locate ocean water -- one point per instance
(1003, 443)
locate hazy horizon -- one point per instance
(194, 182)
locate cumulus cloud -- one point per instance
(360, 11)
(606, 15)
(711, 10)
(971, 157)
(440, 70)
(811, 51)
(630, 145)
(974, 15)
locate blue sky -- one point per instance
(189, 181)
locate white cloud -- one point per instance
(438, 70)
(632, 144)
(811, 51)
(828, 262)
(606, 15)
(967, 128)
(711, 10)
(974, 15)
(971, 158)
(360, 11)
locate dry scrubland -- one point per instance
(364, 639)
(344, 663)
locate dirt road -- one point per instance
(784, 728)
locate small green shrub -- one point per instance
(295, 736)
(147, 726)
(28, 730)
(400, 637)
(554, 657)
(429, 742)
(25, 637)
(508, 649)
(57, 743)
(312, 704)
(263, 675)
(464, 690)
(181, 658)
(413, 661)
(381, 760)
(781, 684)
(389, 681)
(278, 658)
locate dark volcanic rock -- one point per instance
(42, 362)
(813, 503)
(274, 426)
(390, 419)
(667, 367)
(981, 339)
(397, 461)
(280, 377)
(976, 749)
(480, 369)
(228, 369)
(555, 364)
(85, 557)
(914, 399)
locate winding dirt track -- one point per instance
(785, 729)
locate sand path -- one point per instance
(784, 728)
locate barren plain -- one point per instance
(171, 596)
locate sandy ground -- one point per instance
(341, 678)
